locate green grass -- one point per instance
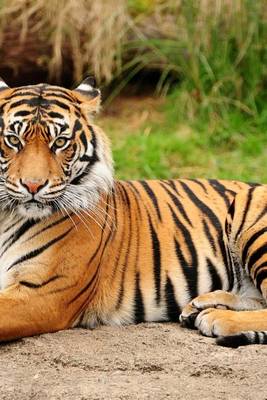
(235, 149)
(214, 69)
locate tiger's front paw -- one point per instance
(200, 303)
(213, 322)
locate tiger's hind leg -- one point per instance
(218, 299)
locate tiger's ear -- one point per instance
(3, 85)
(88, 95)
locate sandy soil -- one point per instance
(147, 361)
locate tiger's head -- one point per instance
(52, 157)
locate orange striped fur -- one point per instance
(78, 248)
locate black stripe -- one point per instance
(177, 203)
(63, 127)
(126, 239)
(61, 96)
(16, 192)
(14, 224)
(209, 236)
(35, 101)
(190, 269)
(109, 236)
(152, 197)
(78, 179)
(22, 113)
(57, 90)
(216, 282)
(191, 274)
(57, 103)
(124, 195)
(156, 259)
(231, 210)
(199, 183)
(38, 251)
(50, 226)
(2, 125)
(85, 158)
(230, 267)
(94, 157)
(248, 202)
(139, 310)
(134, 189)
(85, 288)
(261, 214)
(38, 285)
(118, 264)
(258, 268)
(187, 237)
(54, 114)
(173, 308)
(251, 240)
(23, 229)
(21, 94)
(256, 256)
(39, 101)
(172, 185)
(260, 278)
(253, 184)
(221, 190)
(83, 140)
(77, 127)
(53, 193)
(136, 195)
(229, 221)
(36, 89)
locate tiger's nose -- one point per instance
(33, 185)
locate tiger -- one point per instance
(79, 248)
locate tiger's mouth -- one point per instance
(33, 202)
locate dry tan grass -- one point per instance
(89, 35)
(49, 33)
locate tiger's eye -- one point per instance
(13, 140)
(60, 142)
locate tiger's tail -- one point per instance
(242, 339)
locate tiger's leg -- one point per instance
(24, 313)
(248, 241)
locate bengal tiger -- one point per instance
(79, 249)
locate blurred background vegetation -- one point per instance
(184, 81)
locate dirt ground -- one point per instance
(146, 361)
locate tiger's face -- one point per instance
(52, 157)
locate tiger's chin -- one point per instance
(34, 210)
